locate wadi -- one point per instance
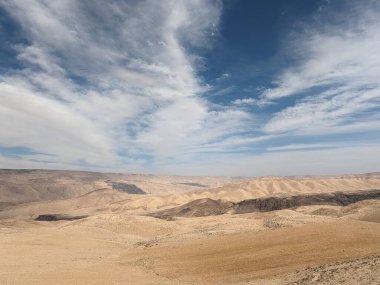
(74, 227)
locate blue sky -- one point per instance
(202, 87)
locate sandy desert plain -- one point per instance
(71, 227)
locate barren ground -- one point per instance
(119, 244)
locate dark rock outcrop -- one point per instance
(193, 184)
(280, 203)
(58, 217)
(127, 188)
(196, 208)
(210, 207)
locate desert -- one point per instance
(188, 230)
(189, 142)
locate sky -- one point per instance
(191, 87)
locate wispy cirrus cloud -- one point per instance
(110, 82)
(337, 75)
(116, 85)
(303, 146)
(249, 101)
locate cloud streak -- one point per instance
(110, 82)
(116, 85)
(337, 76)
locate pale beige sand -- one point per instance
(124, 249)
(117, 244)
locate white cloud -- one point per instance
(249, 101)
(47, 126)
(221, 91)
(245, 101)
(114, 85)
(104, 78)
(223, 77)
(302, 146)
(338, 70)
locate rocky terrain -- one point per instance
(210, 207)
